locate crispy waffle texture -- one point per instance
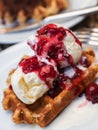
(22, 10)
(46, 109)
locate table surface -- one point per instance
(89, 22)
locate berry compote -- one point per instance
(46, 72)
(50, 44)
(92, 93)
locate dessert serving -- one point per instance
(44, 84)
(20, 12)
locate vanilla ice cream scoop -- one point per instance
(32, 79)
(57, 43)
(72, 47)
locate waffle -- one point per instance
(46, 109)
(23, 11)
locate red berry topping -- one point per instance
(63, 81)
(31, 64)
(48, 30)
(45, 71)
(51, 46)
(68, 82)
(92, 93)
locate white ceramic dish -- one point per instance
(79, 115)
(10, 38)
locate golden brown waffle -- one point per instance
(51, 7)
(24, 10)
(44, 110)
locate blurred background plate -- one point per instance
(14, 37)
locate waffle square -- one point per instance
(46, 109)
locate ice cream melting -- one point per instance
(32, 79)
(57, 43)
(55, 48)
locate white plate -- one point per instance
(79, 115)
(10, 38)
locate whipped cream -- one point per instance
(27, 87)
